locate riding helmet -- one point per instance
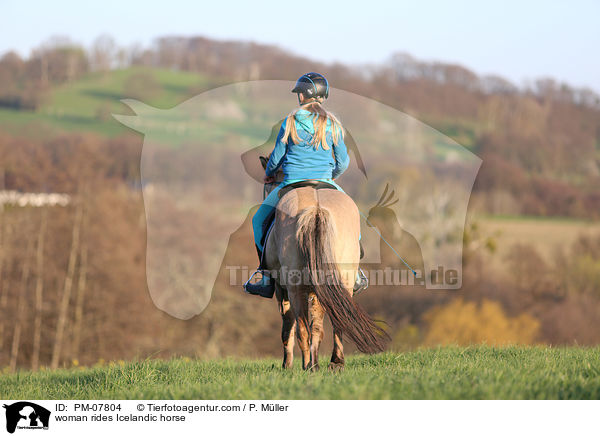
(312, 85)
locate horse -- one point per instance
(312, 253)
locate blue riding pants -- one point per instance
(269, 204)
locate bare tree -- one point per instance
(103, 53)
(66, 294)
(22, 301)
(4, 254)
(39, 287)
(81, 285)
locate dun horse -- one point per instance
(313, 253)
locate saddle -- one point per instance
(268, 223)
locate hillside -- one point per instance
(86, 104)
(540, 143)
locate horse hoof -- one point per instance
(335, 366)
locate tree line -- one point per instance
(540, 143)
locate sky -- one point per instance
(519, 40)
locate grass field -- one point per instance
(445, 373)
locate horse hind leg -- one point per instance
(299, 300)
(337, 355)
(317, 314)
(288, 327)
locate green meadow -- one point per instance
(478, 372)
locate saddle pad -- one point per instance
(315, 184)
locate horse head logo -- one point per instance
(200, 177)
(26, 414)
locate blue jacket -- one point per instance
(302, 161)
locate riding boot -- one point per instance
(264, 287)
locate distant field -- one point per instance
(445, 373)
(86, 104)
(546, 235)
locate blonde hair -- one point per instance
(319, 120)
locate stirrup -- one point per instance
(361, 283)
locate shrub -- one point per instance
(465, 322)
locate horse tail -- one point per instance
(315, 236)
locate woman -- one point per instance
(310, 145)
